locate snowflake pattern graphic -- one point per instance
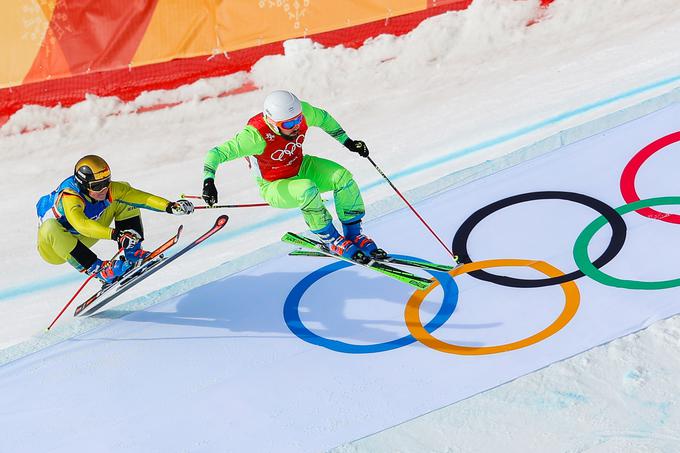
(34, 20)
(295, 9)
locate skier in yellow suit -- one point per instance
(80, 211)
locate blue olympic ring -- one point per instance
(291, 313)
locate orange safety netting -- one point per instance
(114, 48)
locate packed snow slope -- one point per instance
(317, 352)
(461, 89)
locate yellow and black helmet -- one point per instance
(92, 173)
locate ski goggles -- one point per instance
(290, 123)
(98, 186)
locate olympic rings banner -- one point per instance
(589, 265)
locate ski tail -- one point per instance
(152, 267)
(301, 241)
(148, 267)
(153, 255)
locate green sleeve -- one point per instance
(248, 142)
(124, 193)
(321, 118)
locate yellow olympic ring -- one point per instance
(415, 326)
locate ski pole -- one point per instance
(217, 206)
(455, 258)
(78, 292)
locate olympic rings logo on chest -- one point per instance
(289, 150)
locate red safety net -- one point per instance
(128, 83)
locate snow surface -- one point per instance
(353, 369)
(461, 89)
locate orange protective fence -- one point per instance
(58, 50)
(60, 38)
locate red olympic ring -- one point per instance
(630, 172)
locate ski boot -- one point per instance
(339, 245)
(108, 272)
(352, 231)
(135, 254)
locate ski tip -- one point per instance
(421, 285)
(222, 220)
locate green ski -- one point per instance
(389, 260)
(378, 266)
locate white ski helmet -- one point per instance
(281, 105)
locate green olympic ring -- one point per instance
(583, 260)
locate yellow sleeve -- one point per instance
(74, 210)
(124, 193)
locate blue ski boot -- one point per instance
(136, 253)
(352, 231)
(108, 272)
(339, 245)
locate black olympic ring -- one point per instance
(617, 223)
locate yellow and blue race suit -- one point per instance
(68, 216)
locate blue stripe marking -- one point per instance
(39, 285)
(42, 285)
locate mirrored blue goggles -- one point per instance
(291, 123)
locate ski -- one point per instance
(154, 258)
(378, 266)
(148, 267)
(390, 259)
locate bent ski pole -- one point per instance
(455, 258)
(78, 292)
(218, 206)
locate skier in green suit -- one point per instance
(272, 144)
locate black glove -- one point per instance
(180, 207)
(126, 238)
(356, 146)
(209, 191)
